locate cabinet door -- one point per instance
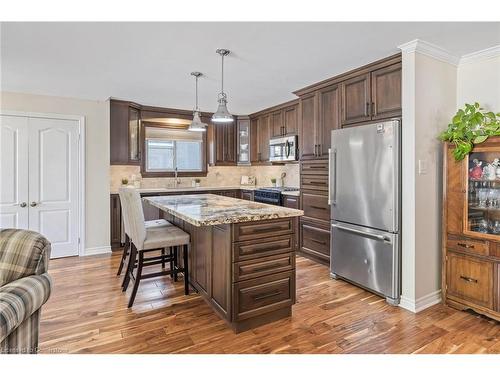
(134, 135)
(386, 92)
(315, 240)
(290, 120)
(116, 220)
(243, 141)
(219, 143)
(455, 193)
(264, 135)
(470, 279)
(118, 133)
(276, 124)
(291, 201)
(307, 127)
(254, 141)
(230, 143)
(329, 117)
(356, 99)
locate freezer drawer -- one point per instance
(367, 257)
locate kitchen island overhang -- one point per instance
(241, 257)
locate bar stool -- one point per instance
(158, 223)
(144, 240)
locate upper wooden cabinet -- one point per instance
(284, 121)
(225, 144)
(276, 124)
(125, 130)
(329, 117)
(386, 92)
(356, 99)
(263, 136)
(308, 126)
(372, 96)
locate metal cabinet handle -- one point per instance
(371, 235)
(367, 109)
(469, 279)
(373, 108)
(318, 207)
(332, 177)
(267, 295)
(33, 204)
(23, 204)
(317, 241)
(465, 245)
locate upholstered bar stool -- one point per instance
(159, 223)
(145, 240)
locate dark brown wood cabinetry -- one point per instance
(372, 92)
(247, 195)
(125, 130)
(471, 243)
(225, 144)
(276, 121)
(115, 221)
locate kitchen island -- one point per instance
(242, 255)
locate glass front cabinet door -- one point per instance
(482, 207)
(134, 134)
(243, 141)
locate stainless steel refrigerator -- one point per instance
(365, 198)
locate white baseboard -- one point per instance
(97, 250)
(421, 303)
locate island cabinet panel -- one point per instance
(258, 248)
(253, 268)
(221, 269)
(262, 229)
(253, 298)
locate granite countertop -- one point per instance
(211, 209)
(202, 188)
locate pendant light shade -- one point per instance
(222, 115)
(197, 125)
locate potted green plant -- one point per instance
(124, 181)
(470, 125)
(197, 182)
(273, 181)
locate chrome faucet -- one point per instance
(176, 179)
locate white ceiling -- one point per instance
(150, 62)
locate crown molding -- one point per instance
(430, 50)
(484, 54)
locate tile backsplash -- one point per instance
(216, 176)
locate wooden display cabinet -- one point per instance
(471, 227)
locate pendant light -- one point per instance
(222, 115)
(197, 125)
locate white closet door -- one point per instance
(53, 185)
(13, 172)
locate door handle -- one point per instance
(332, 182)
(33, 204)
(367, 109)
(23, 204)
(371, 235)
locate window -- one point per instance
(167, 149)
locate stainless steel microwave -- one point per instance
(283, 148)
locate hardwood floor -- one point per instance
(87, 313)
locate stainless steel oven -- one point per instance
(283, 148)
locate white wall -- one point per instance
(479, 81)
(97, 237)
(429, 102)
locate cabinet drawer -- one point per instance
(316, 206)
(291, 201)
(472, 246)
(314, 167)
(259, 229)
(470, 279)
(269, 293)
(319, 183)
(262, 247)
(315, 240)
(251, 269)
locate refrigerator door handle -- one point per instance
(366, 234)
(332, 188)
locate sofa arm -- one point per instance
(20, 299)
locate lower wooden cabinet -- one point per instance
(247, 195)
(470, 279)
(115, 221)
(291, 201)
(315, 239)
